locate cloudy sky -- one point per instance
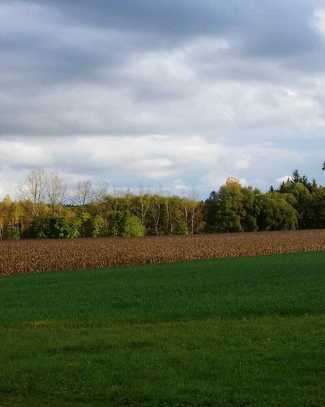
(168, 94)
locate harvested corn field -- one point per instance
(61, 255)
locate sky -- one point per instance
(166, 95)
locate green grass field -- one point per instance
(232, 332)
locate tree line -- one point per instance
(43, 211)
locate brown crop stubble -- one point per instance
(61, 255)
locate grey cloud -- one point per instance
(273, 28)
(243, 75)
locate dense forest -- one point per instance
(43, 211)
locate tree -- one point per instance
(193, 206)
(224, 208)
(56, 190)
(10, 215)
(276, 213)
(34, 188)
(132, 227)
(250, 209)
(155, 209)
(318, 207)
(84, 193)
(53, 227)
(140, 206)
(91, 225)
(98, 226)
(43, 213)
(295, 179)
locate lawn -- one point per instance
(231, 332)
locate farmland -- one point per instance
(243, 331)
(61, 255)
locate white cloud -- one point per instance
(319, 20)
(22, 154)
(285, 178)
(174, 165)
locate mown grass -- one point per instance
(232, 332)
